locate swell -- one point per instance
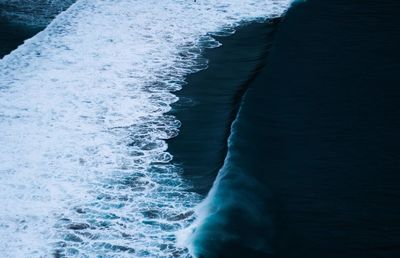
(317, 134)
(236, 198)
(213, 96)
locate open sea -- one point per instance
(206, 129)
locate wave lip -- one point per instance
(235, 219)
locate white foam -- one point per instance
(84, 166)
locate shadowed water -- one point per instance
(313, 158)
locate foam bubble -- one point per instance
(84, 166)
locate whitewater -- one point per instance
(84, 164)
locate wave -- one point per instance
(37, 13)
(83, 117)
(236, 218)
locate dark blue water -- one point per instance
(21, 20)
(209, 102)
(313, 162)
(312, 166)
(12, 35)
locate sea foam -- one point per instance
(84, 166)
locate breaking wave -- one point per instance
(84, 166)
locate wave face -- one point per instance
(84, 166)
(234, 220)
(238, 217)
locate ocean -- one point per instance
(199, 128)
(85, 118)
(313, 160)
(21, 20)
